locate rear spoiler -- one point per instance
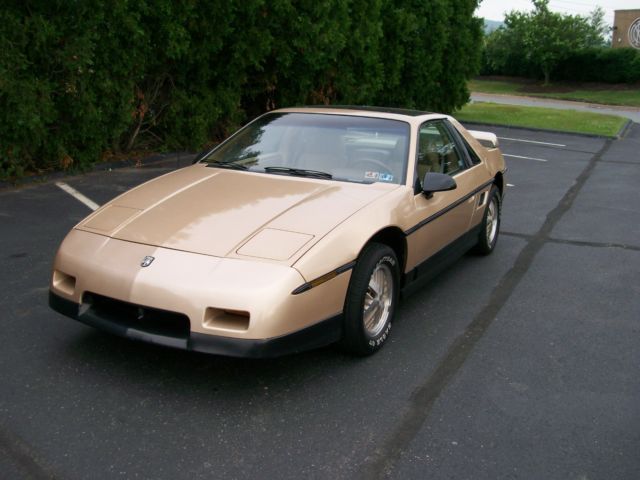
(486, 139)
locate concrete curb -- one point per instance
(624, 129)
(100, 167)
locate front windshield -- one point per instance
(347, 148)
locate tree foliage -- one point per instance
(540, 40)
(84, 77)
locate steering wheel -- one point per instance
(373, 161)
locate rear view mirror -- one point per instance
(437, 182)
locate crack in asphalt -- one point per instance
(23, 456)
(577, 243)
(582, 243)
(381, 463)
(526, 236)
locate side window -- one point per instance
(475, 159)
(437, 151)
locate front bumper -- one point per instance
(195, 285)
(314, 336)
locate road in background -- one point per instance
(628, 112)
(523, 364)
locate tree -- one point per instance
(430, 51)
(542, 39)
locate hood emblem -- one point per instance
(146, 261)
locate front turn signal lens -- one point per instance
(63, 282)
(223, 319)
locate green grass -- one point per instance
(629, 97)
(536, 117)
(495, 86)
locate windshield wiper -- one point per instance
(231, 165)
(300, 172)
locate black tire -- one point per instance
(357, 337)
(487, 242)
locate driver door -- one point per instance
(440, 220)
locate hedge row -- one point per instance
(81, 78)
(609, 65)
(602, 64)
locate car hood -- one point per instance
(232, 213)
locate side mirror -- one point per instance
(437, 182)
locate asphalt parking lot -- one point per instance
(524, 364)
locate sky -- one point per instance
(495, 9)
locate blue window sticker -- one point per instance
(385, 177)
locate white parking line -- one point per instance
(78, 196)
(510, 185)
(526, 158)
(532, 141)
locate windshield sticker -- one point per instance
(385, 177)
(371, 175)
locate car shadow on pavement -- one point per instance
(183, 371)
(140, 362)
(426, 324)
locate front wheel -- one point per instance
(490, 226)
(371, 300)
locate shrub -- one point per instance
(609, 65)
(78, 79)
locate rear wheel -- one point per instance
(371, 300)
(490, 227)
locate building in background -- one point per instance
(626, 29)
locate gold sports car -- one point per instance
(300, 230)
